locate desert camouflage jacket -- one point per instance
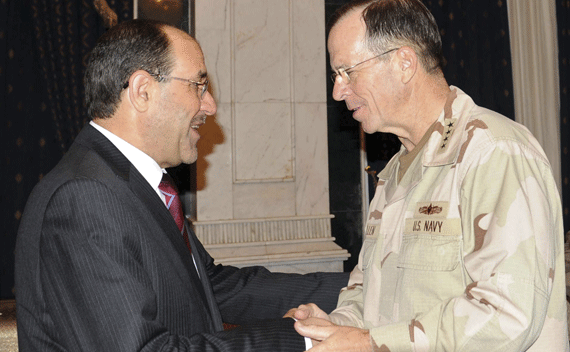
(466, 252)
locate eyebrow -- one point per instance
(341, 66)
(202, 75)
(346, 67)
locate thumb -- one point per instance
(316, 329)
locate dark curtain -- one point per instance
(563, 21)
(43, 50)
(477, 50)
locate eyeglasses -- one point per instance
(344, 73)
(202, 87)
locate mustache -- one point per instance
(199, 119)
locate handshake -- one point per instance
(314, 323)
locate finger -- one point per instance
(301, 314)
(317, 312)
(318, 322)
(304, 311)
(291, 313)
(310, 310)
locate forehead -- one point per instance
(346, 40)
(187, 54)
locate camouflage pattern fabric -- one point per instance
(466, 252)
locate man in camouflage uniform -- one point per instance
(464, 239)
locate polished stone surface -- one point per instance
(265, 154)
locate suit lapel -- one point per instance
(155, 206)
(212, 304)
(91, 138)
(124, 170)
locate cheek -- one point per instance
(366, 88)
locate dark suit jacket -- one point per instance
(101, 265)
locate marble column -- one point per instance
(262, 175)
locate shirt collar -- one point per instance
(144, 164)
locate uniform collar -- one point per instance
(444, 145)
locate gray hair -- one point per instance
(395, 23)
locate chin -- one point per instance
(367, 128)
(190, 159)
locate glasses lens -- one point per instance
(344, 77)
(333, 77)
(204, 88)
(201, 87)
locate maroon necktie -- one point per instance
(168, 188)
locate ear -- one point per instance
(141, 90)
(407, 63)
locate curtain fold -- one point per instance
(27, 135)
(534, 49)
(44, 46)
(65, 32)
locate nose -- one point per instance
(208, 104)
(340, 90)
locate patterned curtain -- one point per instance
(66, 31)
(43, 48)
(563, 21)
(477, 50)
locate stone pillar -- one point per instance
(262, 175)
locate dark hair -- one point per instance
(395, 23)
(125, 48)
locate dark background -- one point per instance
(43, 50)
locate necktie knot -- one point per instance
(173, 204)
(170, 192)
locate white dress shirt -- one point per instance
(146, 165)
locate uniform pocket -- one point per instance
(368, 248)
(429, 252)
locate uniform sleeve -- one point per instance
(99, 294)
(349, 310)
(512, 255)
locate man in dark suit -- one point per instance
(101, 264)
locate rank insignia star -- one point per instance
(449, 126)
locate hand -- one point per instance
(305, 311)
(334, 337)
